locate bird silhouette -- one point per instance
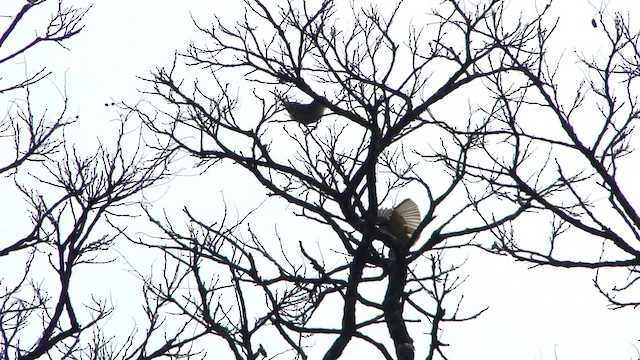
(304, 113)
(401, 221)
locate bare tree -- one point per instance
(342, 111)
(68, 197)
(571, 163)
(33, 136)
(378, 140)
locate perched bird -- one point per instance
(401, 221)
(304, 113)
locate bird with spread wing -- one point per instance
(401, 221)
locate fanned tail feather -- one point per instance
(410, 214)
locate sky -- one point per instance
(537, 313)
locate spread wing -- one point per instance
(384, 214)
(410, 214)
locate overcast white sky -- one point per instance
(533, 312)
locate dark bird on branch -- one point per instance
(304, 113)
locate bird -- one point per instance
(401, 221)
(304, 113)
